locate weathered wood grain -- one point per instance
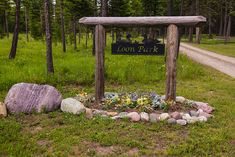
(152, 20)
(99, 74)
(172, 51)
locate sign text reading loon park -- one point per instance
(124, 48)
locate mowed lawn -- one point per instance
(217, 45)
(60, 134)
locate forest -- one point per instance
(34, 17)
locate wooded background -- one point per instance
(57, 20)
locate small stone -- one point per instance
(123, 114)
(205, 115)
(99, 112)
(134, 116)
(71, 105)
(144, 116)
(176, 115)
(180, 99)
(193, 113)
(89, 113)
(116, 117)
(3, 110)
(181, 122)
(164, 116)
(204, 106)
(171, 121)
(192, 120)
(186, 116)
(112, 114)
(154, 117)
(202, 119)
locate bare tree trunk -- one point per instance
(104, 8)
(169, 7)
(192, 12)
(197, 28)
(225, 18)
(209, 21)
(16, 31)
(75, 33)
(228, 31)
(62, 25)
(26, 24)
(6, 24)
(104, 12)
(221, 21)
(50, 67)
(181, 7)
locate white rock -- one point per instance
(180, 99)
(186, 116)
(164, 116)
(134, 116)
(71, 105)
(192, 120)
(144, 116)
(154, 117)
(181, 122)
(202, 119)
(115, 117)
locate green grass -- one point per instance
(217, 45)
(59, 134)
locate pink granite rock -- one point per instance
(28, 98)
(176, 115)
(204, 106)
(134, 116)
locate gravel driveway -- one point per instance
(219, 62)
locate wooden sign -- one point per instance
(124, 48)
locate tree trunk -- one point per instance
(190, 34)
(225, 18)
(50, 67)
(62, 25)
(209, 22)
(16, 31)
(221, 21)
(197, 28)
(6, 24)
(26, 24)
(181, 7)
(104, 8)
(75, 33)
(192, 12)
(228, 31)
(169, 7)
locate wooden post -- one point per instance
(99, 74)
(172, 50)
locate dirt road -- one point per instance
(219, 62)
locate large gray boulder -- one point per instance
(28, 98)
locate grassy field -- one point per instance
(217, 45)
(59, 134)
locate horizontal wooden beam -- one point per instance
(143, 21)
